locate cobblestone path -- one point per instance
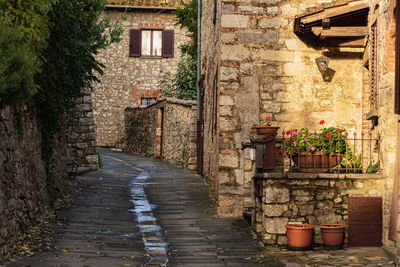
(136, 211)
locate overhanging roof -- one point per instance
(340, 22)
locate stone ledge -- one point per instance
(316, 175)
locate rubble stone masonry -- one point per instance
(265, 69)
(164, 129)
(23, 193)
(127, 79)
(383, 11)
(81, 135)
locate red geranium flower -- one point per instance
(288, 132)
(280, 151)
(329, 135)
(338, 129)
(322, 122)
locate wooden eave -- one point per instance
(341, 24)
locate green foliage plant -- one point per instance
(183, 84)
(77, 34)
(186, 15)
(17, 68)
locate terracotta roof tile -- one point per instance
(144, 3)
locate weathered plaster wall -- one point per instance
(81, 135)
(127, 79)
(24, 196)
(166, 128)
(265, 69)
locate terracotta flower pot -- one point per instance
(317, 162)
(266, 130)
(299, 236)
(333, 235)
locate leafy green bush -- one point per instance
(183, 84)
(17, 67)
(77, 34)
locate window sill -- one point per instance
(151, 57)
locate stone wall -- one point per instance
(127, 79)
(307, 198)
(23, 194)
(210, 57)
(266, 70)
(388, 122)
(81, 135)
(166, 129)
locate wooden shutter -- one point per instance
(135, 41)
(168, 44)
(397, 84)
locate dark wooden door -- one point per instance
(365, 221)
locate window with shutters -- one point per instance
(151, 43)
(374, 67)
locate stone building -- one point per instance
(263, 58)
(166, 128)
(149, 48)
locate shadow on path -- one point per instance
(138, 211)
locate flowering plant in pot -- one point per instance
(265, 127)
(299, 236)
(315, 151)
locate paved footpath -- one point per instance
(137, 211)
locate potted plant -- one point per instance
(318, 151)
(333, 235)
(299, 236)
(265, 128)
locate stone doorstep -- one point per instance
(271, 175)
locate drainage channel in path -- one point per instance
(153, 239)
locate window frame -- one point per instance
(148, 102)
(151, 42)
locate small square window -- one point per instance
(145, 101)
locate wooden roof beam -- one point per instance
(333, 13)
(341, 31)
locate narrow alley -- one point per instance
(138, 211)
